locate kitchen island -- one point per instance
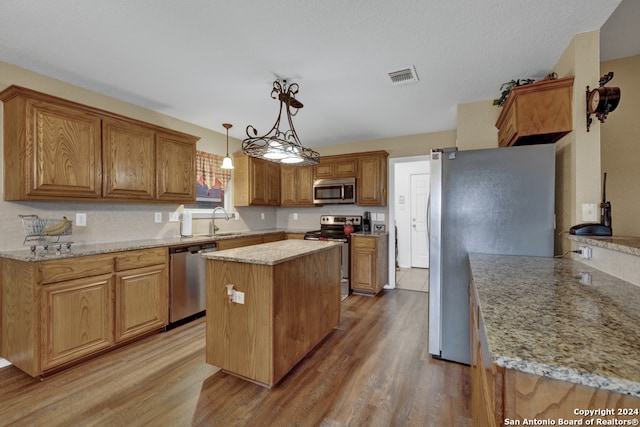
(290, 303)
(551, 336)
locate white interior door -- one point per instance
(419, 236)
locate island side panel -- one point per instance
(306, 306)
(20, 321)
(239, 336)
(531, 396)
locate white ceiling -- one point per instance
(212, 61)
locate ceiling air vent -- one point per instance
(404, 76)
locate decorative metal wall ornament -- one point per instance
(276, 145)
(602, 100)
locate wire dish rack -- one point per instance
(46, 231)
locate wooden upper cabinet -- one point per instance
(55, 149)
(371, 186)
(128, 158)
(50, 150)
(538, 113)
(296, 185)
(273, 184)
(176, 168)
(337, 167)
(256, 181)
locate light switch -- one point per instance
(380, 217)
(158, 217)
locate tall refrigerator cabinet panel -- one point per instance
(496, 201)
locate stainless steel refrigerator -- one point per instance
(497, 201)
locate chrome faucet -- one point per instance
(212, 226)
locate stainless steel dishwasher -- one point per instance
(187, 281)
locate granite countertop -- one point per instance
(627, 245)
(272, 253)
(84, 249)
(370, 233)
(561, 319)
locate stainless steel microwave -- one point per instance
(328, 191)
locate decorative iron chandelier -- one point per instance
(276, 145)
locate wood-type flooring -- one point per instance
(372, 370)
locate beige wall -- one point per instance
(476, 125)
(578, 153)
(402, 146)
(620, 147)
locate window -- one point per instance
(212, 182)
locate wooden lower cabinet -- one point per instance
(59, 311)
(369, 269)
(77, 319)
(141, 301)
(501, 396)
(238, 242)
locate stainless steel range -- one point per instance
(332, 228)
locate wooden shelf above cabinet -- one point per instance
(538, 113)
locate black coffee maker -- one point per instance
(366, 221)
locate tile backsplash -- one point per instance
(124, 221)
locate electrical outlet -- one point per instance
(81, 220)
(261, 215)
(589, 212)
(585, 252)
(378, 227)
(174, 216)
(238, 297)
(158, 217)
(295, 216)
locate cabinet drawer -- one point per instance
(239, 242)
(364, 243)
(74, 268)
(141, 258)
(275, 237)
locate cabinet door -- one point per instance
(372, 182)
(304, 186)
(325, 169)
(364, 264)
(77, 319)
(142, 303)
(273, 184)
(346, 168)
(128, 161)
(258, 176)
(288, 186)
(175, 168)
(296, 185)
(62, 152)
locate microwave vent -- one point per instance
(403, 76)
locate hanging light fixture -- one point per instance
(226, 162)
(276, 145)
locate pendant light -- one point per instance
(227, 163)
(281, 146)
